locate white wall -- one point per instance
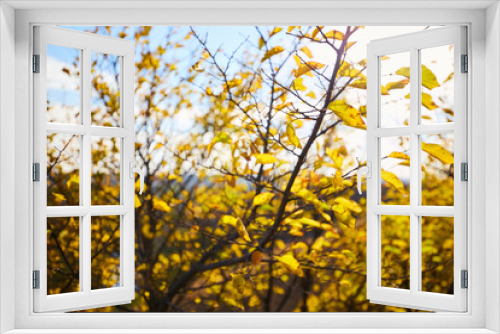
(7, 160)
(492, 165)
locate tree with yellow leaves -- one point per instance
(253, 207)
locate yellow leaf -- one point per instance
(222, 137)
(428, 78)
(257, 257)
(360, 83)
(229, 220)
(306, 195)
(316, 31)
(337, 159)
(304, 68)
(242, 231)
(404, 71)
(298, 84)
(137, 201)
(349, 204)
(292, 136)
(307, 52)
(161, 205)
(265, 158)
(275, 31)
(311, 95)
(344, 216)
(310, 222)
(262, 199)
(397, 85)
(239, 283)
(262, 42)
(393, 180)
(348, 114)
(290, 28)
(59, 197)
(427, 101)
(438, 152)
(231, 180)
(74, 179)
(271, 52)
(297, 60)
(399, 155)
(335, 35)
(347, 71)
(174, 177)
(289, 262)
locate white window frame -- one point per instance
(414, 296)
(86, 43)
(484, 102)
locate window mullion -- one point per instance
(86, 172)
(414, 171)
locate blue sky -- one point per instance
(229, 38)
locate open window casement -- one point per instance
(83, 160)
(402, 87)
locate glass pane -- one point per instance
(105, 188)
(105, 102)
(395, 90)
(63, 255)
(63, 169)
(63, 84)
(437, 78)
(437, 169)
(395, 255)
(105, 252)
(395, 170)
(437, 254)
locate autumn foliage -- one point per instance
(251, 206)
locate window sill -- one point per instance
(250, 331)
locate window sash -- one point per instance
(414, 298)
(86, 297)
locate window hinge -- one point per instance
(36, 172)
(465, 279)
(464, 171)
(465, 64)
(36, 279)
(36, 63)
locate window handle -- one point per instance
(364, 170)
(141, 172)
